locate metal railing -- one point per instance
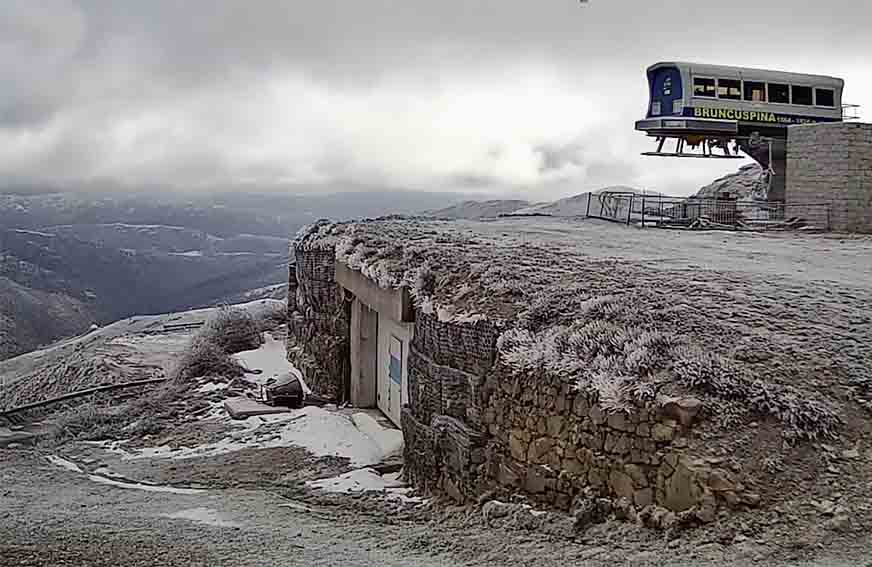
(690, 212)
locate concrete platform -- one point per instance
(243, 408)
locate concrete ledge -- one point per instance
(395, 303)
(243, 408)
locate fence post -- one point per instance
(643, 211)
(828, 217)
(587, 212)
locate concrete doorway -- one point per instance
(364, 359)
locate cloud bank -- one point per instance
(532, 99)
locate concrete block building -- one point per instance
(832, 163)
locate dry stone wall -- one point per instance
(473, 426)
(832, 163)
(559, 446)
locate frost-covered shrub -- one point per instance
(204, 357)
(612, 351)
(804, 418)
(231, 329)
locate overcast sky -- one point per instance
(531, 97)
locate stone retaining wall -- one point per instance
(472, 426)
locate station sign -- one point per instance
(758, 116)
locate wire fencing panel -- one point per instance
(691, 212)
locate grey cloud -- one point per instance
(419, 94)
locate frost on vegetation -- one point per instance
(804, 418)
(608, 351)
(319, 235)
(229, 330)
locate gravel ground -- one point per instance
(53, 516)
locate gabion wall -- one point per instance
(319, 325)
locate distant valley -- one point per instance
(71, 260)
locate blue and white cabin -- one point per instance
(695, 99)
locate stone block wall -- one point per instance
(832, 163)
(481, 428)
(319, 322)
(558, 445)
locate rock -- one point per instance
(708, 509)
(643, 430)
(825, 507)
(720, 481)
(580, 407)
(624, 510)
(619, 421)
(683, 410)
(507, 476)
(851, 454)
(518, 448)
(597, 416)
(621, 484)
(637, 474)
(662, 432)
(573, 466)
(536, 481)
(495, 509)
(681, 490)
(539, 450)
(839, 523)
(554, 425)
(644, 497)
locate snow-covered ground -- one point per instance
(319, 431)
(268, 361)
(367, 480)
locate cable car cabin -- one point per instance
(713, 104)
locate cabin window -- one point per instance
(703, 87)
(655, 108)
(677, 106)
(802, 95)
(730, 89)
(825, 97)
(755, 92)
(779, 94)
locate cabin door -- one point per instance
(666, 89)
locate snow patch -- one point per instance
(206, 516)
(389, 440)
(188, 254)
(366, 480)
(64, 464)
(144, 487)
(212, 387)
(321, 432)
(360, 480)
(270, 361)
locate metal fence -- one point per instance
(691, 212)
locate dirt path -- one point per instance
(53, 516)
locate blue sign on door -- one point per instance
(396, 364)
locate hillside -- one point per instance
(478, 209)
(30, 318)
(747, 183)
(58, 284)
